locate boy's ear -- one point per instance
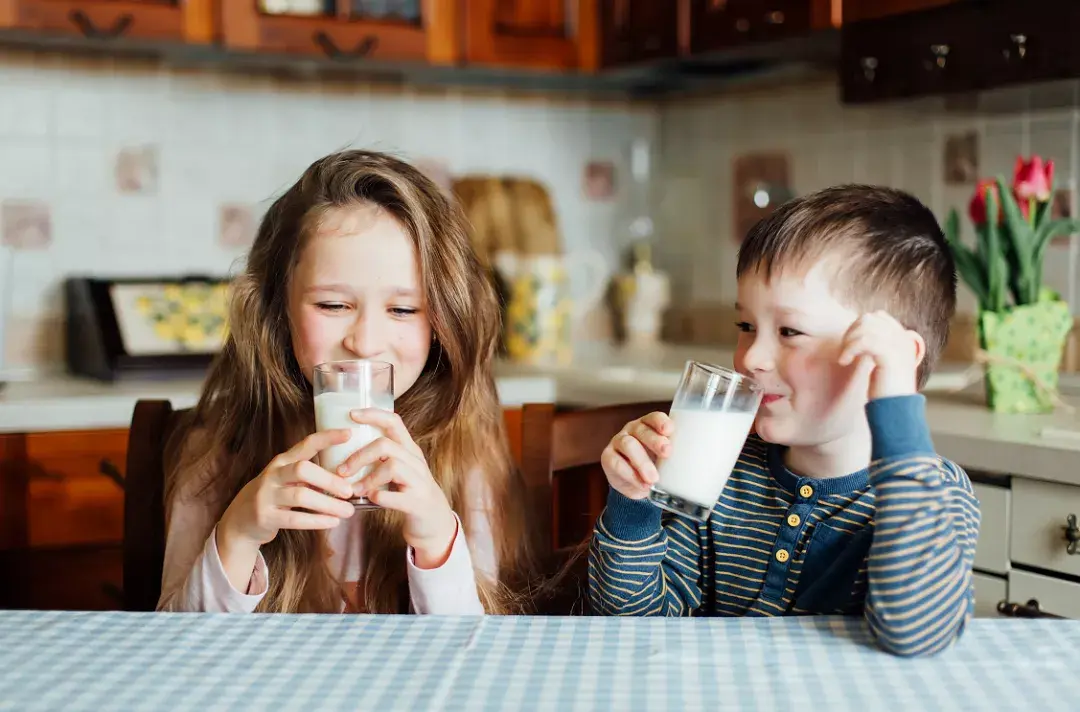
(920, 347)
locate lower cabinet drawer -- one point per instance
(988, 591)
(1061, 598)
(1040, 514)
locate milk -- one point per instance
(704, 449)
(332, 413)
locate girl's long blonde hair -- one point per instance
(256, 402)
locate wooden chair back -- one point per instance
(144, 503)
(560, 462)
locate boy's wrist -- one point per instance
(630, 519)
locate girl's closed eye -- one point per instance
(332, 307)
(403, 312)
(744, 327)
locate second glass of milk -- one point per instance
(344, 386)
(713, 411)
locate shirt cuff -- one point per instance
(449, 589)
(898, 427)
(222, 595)
(628, 519)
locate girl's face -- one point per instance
(356, 293)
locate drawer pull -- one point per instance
(1072, 535)
(112, 472)
(86, 26)
(363, 48)
(1027, 610)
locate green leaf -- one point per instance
(971, 270)
(996, 268)
(1018, 233)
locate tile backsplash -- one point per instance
(118, 169)
(825, 143)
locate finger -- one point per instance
(384, 474)
(308, 473)
(291, 519)
(660, 422)
(618, 467)
(312, 445)
(389, 422)
(388, 499)
(852, 348)
(653, 441)
(313, 501)
(639, 459)
(376, 451)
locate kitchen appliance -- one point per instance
(120, 329)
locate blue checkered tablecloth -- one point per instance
(135, 661)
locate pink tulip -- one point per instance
(1032, 179)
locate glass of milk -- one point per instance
(712, 412)
(343, 386)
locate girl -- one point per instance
(363, 257)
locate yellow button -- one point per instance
(793, 520)
(806, 491)
(782, 556)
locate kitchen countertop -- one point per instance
(1040, 446)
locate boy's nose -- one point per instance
(759, 357)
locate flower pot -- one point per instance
(1024, 346)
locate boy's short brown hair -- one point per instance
(891, 252)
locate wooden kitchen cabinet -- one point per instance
(724, 24)
(635, 31)
(535, 34)
(429, 33)
(958, 47)
(188, 21)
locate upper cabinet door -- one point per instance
(189, 21)
(410, 30)
(540, 34)
(856, 10)
(721, 24)
(638, 30)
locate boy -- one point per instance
(838, 503)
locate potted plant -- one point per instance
(1022, 325)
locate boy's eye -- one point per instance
(331, 306)
(744, 327)
(787, 332)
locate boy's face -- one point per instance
(791, 330)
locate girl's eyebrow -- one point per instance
(328, 288)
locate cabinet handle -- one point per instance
(941, 56)
(363, 48)
(776, 17)
(1072, 535)
(1027, 610)
(1020, 43)
(86, 26)
(111, 471)
(869, 67)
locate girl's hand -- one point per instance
(398, 463)
(278, 497)
(629, 460)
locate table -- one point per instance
(64, 660)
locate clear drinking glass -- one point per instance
(343, 386)
(713, 411)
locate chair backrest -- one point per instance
(144, 503)
(560, 462)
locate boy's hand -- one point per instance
(629, 460)
(891, 352)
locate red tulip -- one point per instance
(1032, 179)
(977, 207)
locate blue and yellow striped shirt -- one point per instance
(894, 543)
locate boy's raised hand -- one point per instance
(629, 460)
(891, 352)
